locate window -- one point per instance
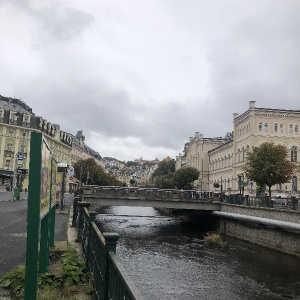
(11, 132)
(296, 128)
(275, 127)
(9, 147)
(7, 164)
(294, 151)
(243, 154)
(290, 128)
(260, 127)
(281, 128)
(266, 127)
(239, 155)
(294, 184)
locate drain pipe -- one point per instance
(267, 222)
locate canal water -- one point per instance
(167, 259)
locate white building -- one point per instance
(220, 160)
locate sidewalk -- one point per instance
(16, 234)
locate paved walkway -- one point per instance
(13, 228)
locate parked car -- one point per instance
(281, 199)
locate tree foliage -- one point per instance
(184, 177)
(89, 172)
(165, 167)
(164, 182)
(229, 135)
(268, 165)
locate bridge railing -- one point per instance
(146, 193)
(267, 202)
(110, 279)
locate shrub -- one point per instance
(214, 239)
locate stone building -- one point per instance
(80, 150)
(17, 121)
(221, 161)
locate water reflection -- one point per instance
(167, 259)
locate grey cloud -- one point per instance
(62, 23)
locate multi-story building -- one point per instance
(17, 121)
(82, 151)
(223, 162)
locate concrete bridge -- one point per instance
(150, 197)
(256, 220)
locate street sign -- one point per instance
(71, 171)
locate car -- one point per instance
(281, 200)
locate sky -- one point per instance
(141, 77)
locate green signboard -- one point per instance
(41, 211)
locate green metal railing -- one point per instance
(110, 279)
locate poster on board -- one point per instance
(45, 179)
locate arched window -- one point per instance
(294, 151)
(275, 127)
(291, 128)
(243, 154)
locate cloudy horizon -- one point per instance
(141, 77)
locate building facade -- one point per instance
(223, 163)
(17, 121)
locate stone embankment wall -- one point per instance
(273, 237)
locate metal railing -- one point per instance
(266, 202)
(110, 279)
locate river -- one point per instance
(167, 259)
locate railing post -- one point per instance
(79, 221)
(110, 245)
(92, 217)
(111, 240)
(247, 199)
(75, 210)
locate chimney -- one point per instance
(235, 115)
(197, 135)
(191, 138)
(201, 136)
(252, 104)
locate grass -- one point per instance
(66, 278)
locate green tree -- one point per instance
(89, 172)
(184, 177)
(269, 164)
(229, 135)
(165, 167)
(164, 182)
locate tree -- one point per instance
(164, 182)
(184, 177)
(269, 164)
(229, 135)
(165, 167)
(89, 172)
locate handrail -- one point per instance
(110, 279)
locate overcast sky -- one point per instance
(140, 77)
